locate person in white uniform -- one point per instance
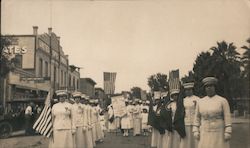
(88, 132)
(189, 102)
(212, 123)
(144, 124)
(175, 109)
(154, 119)
(125, 121)
(137, 119)
(130, 110)
(63, 125)
(111, 118)
(97, 124)
(78, 119)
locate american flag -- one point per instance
(43, 124)
(174, 82)
(109, 82)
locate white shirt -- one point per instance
(78, 114)
(28, 110)
(62, 115)
(213, 114)
(189, 105)
(145, 118)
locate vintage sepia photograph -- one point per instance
(124, 74)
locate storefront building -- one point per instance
(42, 68)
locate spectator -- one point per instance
(28, 119)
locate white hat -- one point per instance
(87, 97)
(174, 91)
(137, 100)
(209, 80)
(164, 94)
(188, 85)
(92, 101)
(83, 96)
(61, 92)
(76, 94)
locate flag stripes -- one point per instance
(174, 82)
(43, 124)
(109, 82)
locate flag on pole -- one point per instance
(43, 124)
(109, 82)
(174, 81)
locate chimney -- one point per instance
(35, 28)
(50, 30)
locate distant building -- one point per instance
(87, 86)
(43, 67)
(100, 95)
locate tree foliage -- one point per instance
(158, 82)
(136, 92)
(246, 67)
(6, 61)
(223, 62)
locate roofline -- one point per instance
(90, 80)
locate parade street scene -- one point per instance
(125, 74)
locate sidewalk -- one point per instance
(240, 120)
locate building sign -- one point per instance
(15, 50)
(24, 46)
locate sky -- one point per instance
(135, 38)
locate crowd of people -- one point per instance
(77, 123)
(187, 121)
(134, 120)
(177, 119)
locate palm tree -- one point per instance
(227, 51)
(223, 62)
(245, 59)
(246, 64)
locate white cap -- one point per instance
(83, 96)
(61, 93)
(188, 85)
(174, 91)
(76, 94)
